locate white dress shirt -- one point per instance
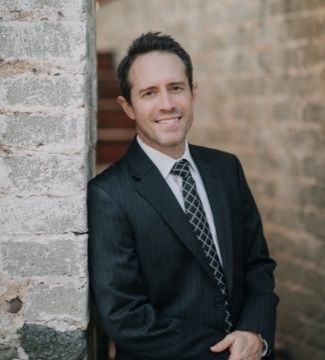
(164, 163)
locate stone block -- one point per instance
(42, 342)
(297, 85)
(242, 36)
(58, 303)
(304, 56)
(40, 9)
(285, 110)
(297, 310)
(314, 221)
(312, 4)
(280, 7)
(299, 349)
(7, 352)
(314, 112)
(308, 27)
(24, 130)
(42, 174)
(313, 196)
(252, 86)
(309, 140)
(43, 214)
(8, 331)
(283, 216)
(295, 259)
(250, 111)
(42, 91)
(42, 40)
(314, 166)
(248, 13)
(43, 258)
(267, 62)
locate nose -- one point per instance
(166, 101)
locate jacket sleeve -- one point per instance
(259, 311)
(120, 294)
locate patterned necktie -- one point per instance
(196, 216)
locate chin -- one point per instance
(173, 140)
(172, 143)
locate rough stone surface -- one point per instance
(42, 9)
(7, 352)
(47, 117)
(63, 304)
(43, 343)
(260, 68)
(8, 328)
(42, 91)
(43, 214)
(43, 258)
(64, 132)
(42, 39)
(46, 173)
(9, 320)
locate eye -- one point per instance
(177, 88)
(148, 93)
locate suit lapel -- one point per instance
(214, 187)
(156, 191)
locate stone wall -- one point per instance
(47, 97)
(260, 66)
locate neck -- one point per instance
(175, 151)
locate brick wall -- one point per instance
(47, 102)
(260, 66)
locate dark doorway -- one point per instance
(114, 129)
(114, 134)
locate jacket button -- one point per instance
(220, 303)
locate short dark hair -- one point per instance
(148, 42)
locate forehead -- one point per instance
(156, 68)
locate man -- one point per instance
(179, 266)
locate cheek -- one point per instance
(143, 117)
(187, 105)
(143, 110)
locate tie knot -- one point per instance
(181, 168)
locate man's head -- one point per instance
(158, 92)
(146, 43)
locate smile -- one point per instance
(169, 120)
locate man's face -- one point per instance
(162, 101)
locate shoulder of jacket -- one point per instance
(110, 177)
(214, 155)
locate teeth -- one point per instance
(167, 121)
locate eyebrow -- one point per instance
(141, 91)
(177, 83)
(154, 87)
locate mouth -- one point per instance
(169, 120)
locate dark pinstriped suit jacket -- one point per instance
(152, 285)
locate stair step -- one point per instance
(109, 152)
(115, 135)
(108, 119)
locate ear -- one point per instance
(194, 90)
(127, 108)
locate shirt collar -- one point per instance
(164, 162)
